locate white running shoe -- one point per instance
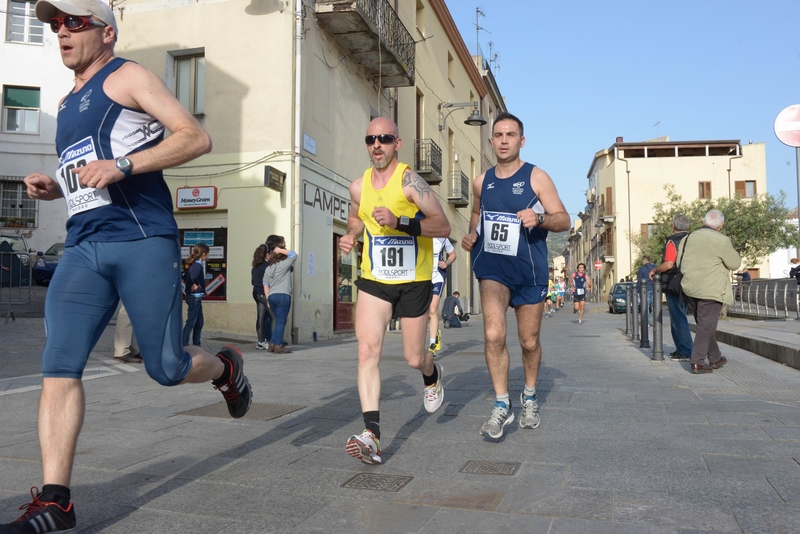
(434, 395)
(529, 418)
(501, 416)
(365, 447)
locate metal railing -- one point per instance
(16, 279)
(766, 298)
(391, 29)
(459, 187)
(427, 157)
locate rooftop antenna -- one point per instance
(658, 134)
(493, 57)
(478, 14)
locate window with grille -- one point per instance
(17, 209)
(21, 109)
(23, 26)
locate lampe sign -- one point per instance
(190, 198)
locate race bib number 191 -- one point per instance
(501, 233)
(394, 258)
(79, 197)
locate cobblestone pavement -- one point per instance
(626, 444)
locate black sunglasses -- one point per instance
(384, 139)
(73, 23)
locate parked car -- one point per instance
(617, 298)
(14, 268)
(46, 263)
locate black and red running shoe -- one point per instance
(41, 517)
(235, 388)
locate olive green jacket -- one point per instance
(708, 258)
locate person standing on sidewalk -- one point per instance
(443, 256)
(122, 242)
(265, 318)
(643, 277)
(707, 258)
(194, 280)
(126, 349)
(676, 304)
(278, 289)
(515, 205)
(397, 214)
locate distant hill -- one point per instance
(556, 243)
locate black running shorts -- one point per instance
(408, 300)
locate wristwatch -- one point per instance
(124, 164)
(402, 223)
(541, 219)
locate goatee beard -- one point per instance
(380, 165)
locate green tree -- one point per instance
(757, 226)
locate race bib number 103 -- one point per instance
(79, 197)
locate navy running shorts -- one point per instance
(91, 279)
(522, 295)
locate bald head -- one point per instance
(385, 143)
(382, 125)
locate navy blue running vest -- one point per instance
(580, 281)
(92, 126)
(501, 199)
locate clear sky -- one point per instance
(581, 73)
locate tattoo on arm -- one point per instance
(420, 186)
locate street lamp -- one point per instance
(475, 118)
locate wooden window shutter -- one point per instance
(740, 188)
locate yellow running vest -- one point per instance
(391, 256)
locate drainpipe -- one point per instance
(630, 240)
(730, 166)
(298, 140)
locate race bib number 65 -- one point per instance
(394, 258)
(501, 233)
(79, 197)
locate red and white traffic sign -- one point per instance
(598, 265)
(787, 126)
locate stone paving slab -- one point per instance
(626, 445)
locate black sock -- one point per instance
(372, 422)
(55, 493)
(223, 379)
(431, 380)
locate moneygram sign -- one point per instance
(192, 198)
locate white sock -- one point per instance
(433, 341)
(529, 392)
(504, 399)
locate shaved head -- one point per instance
(382, 125)
(383, 154)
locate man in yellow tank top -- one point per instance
(397, 214)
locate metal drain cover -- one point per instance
(259, 411)
(376, 482)
(479, 467)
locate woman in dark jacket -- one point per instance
(195, 286)
(265, 318)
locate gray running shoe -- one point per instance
(529, 418)
(501, 416)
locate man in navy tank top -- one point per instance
(122, 241)
(515, 205)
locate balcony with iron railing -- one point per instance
(374, 36)
(458, 190)
(428, 160)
